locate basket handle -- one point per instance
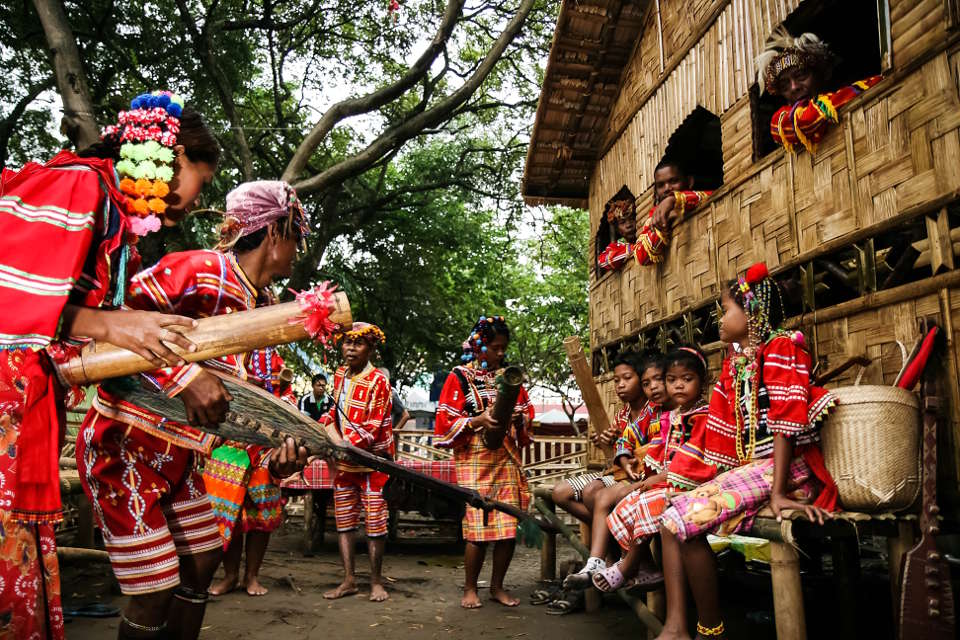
(830, 374)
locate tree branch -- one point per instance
(201, 45)
(396, 136)
(376, 99)
(9, 123)
(79, 123)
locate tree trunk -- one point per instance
(79, 123)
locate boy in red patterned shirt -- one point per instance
(361, 416)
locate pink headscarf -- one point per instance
(254, 205)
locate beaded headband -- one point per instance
(473, 346)
(756, 290)
(366, 331)
(699, 355)
(618, 209)
(783, 51)
(147, 132)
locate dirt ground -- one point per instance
(424, 600)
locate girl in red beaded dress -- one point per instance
(762, 434)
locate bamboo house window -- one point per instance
(696, 145)
(607, 231)
(857, 32)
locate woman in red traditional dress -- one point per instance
(77, 204)
(463, 414)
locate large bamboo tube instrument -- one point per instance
(215, 337)
(588, 389)
(509, 382)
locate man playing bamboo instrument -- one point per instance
(798, 69)
(361, 415)
(137, 467)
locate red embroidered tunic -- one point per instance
(677, 449)
(361, 410)
(651, 242)
(806, 122)
(788, 405)
(197, 284)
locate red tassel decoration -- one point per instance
(317, 303)
(756, 273)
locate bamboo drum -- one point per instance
(508, 390)
(215, 337)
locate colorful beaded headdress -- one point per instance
(621, 205)
(474, 347)
(148, 132)
(783, 52)
(756, 289)
(254, 205)
(366, 331)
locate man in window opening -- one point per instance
(798, 70)
(673, 197)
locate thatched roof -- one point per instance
(591, 46)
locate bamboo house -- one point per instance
(868, 226)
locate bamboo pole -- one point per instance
(588, 389)
(787, 592)
(214, 337)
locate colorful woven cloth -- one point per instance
(729, 503)
(225, 475)
(806, 122)
(29, 581)
(635, 434)
(317, 474)
(64, 204)
(495, 474)
(637, 517)
(149, 500)
(263, 510)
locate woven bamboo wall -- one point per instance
(878, 163)
(897, 148)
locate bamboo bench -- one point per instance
(844, 532)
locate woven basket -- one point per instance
(871, 446)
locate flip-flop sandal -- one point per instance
(92, 610)
(570, 603)
(611, 575)
(544, 596)
(647, 580)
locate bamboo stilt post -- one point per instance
(588, 389)
(548, 552)
(551, 517)
(787, 592)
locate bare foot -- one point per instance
(378, 593)
(471, 599)
(673, 635)
(502, 596)
(347, 588)
(228, 584)
(254, 588)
